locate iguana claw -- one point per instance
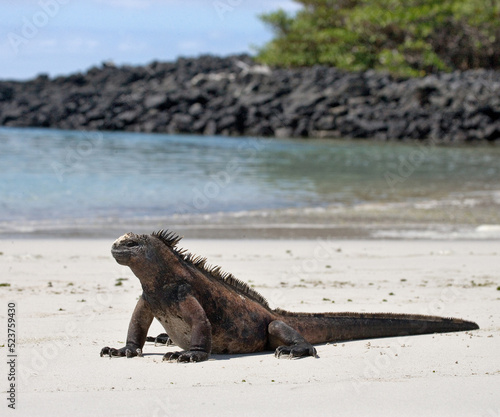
(127, 351)
(186, 356)
(296, 351)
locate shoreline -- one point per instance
(480, 233)
(371, 221)
(69, 306)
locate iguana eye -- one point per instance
(131, 244)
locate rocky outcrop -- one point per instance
(235, 96)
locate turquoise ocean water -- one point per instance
(55, 182)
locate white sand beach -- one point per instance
(69, 306)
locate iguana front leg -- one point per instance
(201, 333)
(137, 332)
(289, 342)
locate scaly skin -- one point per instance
(207, 311)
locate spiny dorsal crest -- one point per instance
(171, 239)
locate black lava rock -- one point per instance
(236, 96)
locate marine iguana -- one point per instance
(205, 310)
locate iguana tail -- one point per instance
(333, 327)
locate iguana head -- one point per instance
(149, 258)
(129, 248)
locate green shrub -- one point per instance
(408, 38)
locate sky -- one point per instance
(60, 37)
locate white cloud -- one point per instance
(289, 6)
(47, 43)
(132, 46)
(128, 4)
(44, 45)
(81, 44)
(135, 31)
(145, 4)
(190, 45)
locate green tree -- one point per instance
(410, 38)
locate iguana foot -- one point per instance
(161, 339)
(186, 356)
(128, 351)
(295, 351)
(295, 346)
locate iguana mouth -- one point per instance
(121, 255)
